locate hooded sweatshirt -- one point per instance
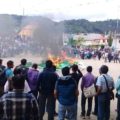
(66, 88)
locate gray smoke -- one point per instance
(8, 30)
(47, 35)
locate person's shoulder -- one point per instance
(99, 78)
(7, 95)
(30, 96)
(2, 67)
(23, 95)
(8, 70)
(109, 77)
(18, 66)
(87, 75)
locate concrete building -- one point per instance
(116, 42)
(89, 39)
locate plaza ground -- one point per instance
(114, 71)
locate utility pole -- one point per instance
(23, 12)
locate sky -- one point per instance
(58, 10)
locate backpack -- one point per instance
(24, 70)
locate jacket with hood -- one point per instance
(66, 88)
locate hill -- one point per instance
(15, 23)
(85, 26)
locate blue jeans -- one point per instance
(103, 106)
(49, 102)
(118, 107)
(71, 112)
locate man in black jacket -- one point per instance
(46, 85)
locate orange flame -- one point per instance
(56, 60)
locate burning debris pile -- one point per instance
(60, 61)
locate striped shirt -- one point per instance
(18, 105)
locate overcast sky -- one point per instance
(64, 9)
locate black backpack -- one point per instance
(24, 70)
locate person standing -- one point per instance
(110, 57)
(87, 80)
(2, 67)
(2, 77)
(17, 105)
(32, 76)
(23, 67)
(76, 73)
(66, 92)
(95, 101)
(117, 86)
(99, 55)
(9, 74)
(104, 82)
(18, 72)
(46, 86)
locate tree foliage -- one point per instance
(110, 40)
(85, 26)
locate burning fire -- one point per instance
(58, 60)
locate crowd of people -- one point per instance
(26, 93)
(107, 54)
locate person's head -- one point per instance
(49, 64)
(89, 69)
(74, 67)
(103, 69)
(1, 61)
(18, 81)
(65, 71)
(10, 64)
(23, 61)
(35, 66)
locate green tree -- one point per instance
(72, 42)
(110, 40)
(80, 41)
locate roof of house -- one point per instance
(91, 36)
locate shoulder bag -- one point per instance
(89, 91)
(111, 94)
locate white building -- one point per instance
(116, 42)
(90, 39)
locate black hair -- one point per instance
(10, 62)
(104, 69)
(35, 65)
(23, 61)
(74, 67)
(18, 81)
(65, 71)
(49, 64)
(89, 68)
